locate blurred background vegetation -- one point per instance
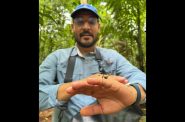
(123, 27)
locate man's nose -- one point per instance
(86, 26)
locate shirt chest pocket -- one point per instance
(110, 69)
(109, 66)
(94, 68)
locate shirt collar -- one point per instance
(74, 52)
(77, 51)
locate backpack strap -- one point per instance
(70, 68)
(98, 58)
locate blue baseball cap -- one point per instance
(85, 7)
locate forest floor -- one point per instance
(45, 116)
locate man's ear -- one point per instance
(98, 27)
(72, 27)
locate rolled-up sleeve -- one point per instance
(47, 87)
(132, 73)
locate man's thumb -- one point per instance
(91, 110)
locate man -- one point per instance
(73, 78)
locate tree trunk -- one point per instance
(139, 41)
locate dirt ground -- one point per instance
(45, 116)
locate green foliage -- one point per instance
(122, 27)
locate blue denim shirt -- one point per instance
(54, 66)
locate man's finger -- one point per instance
(84, 90)
(71, 91)
(102, 82)
(91, 110)
(79, 85)
(121, 79)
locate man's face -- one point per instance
(86, 28)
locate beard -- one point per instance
(86, 45)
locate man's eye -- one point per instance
(79, 21)
(92, 21)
